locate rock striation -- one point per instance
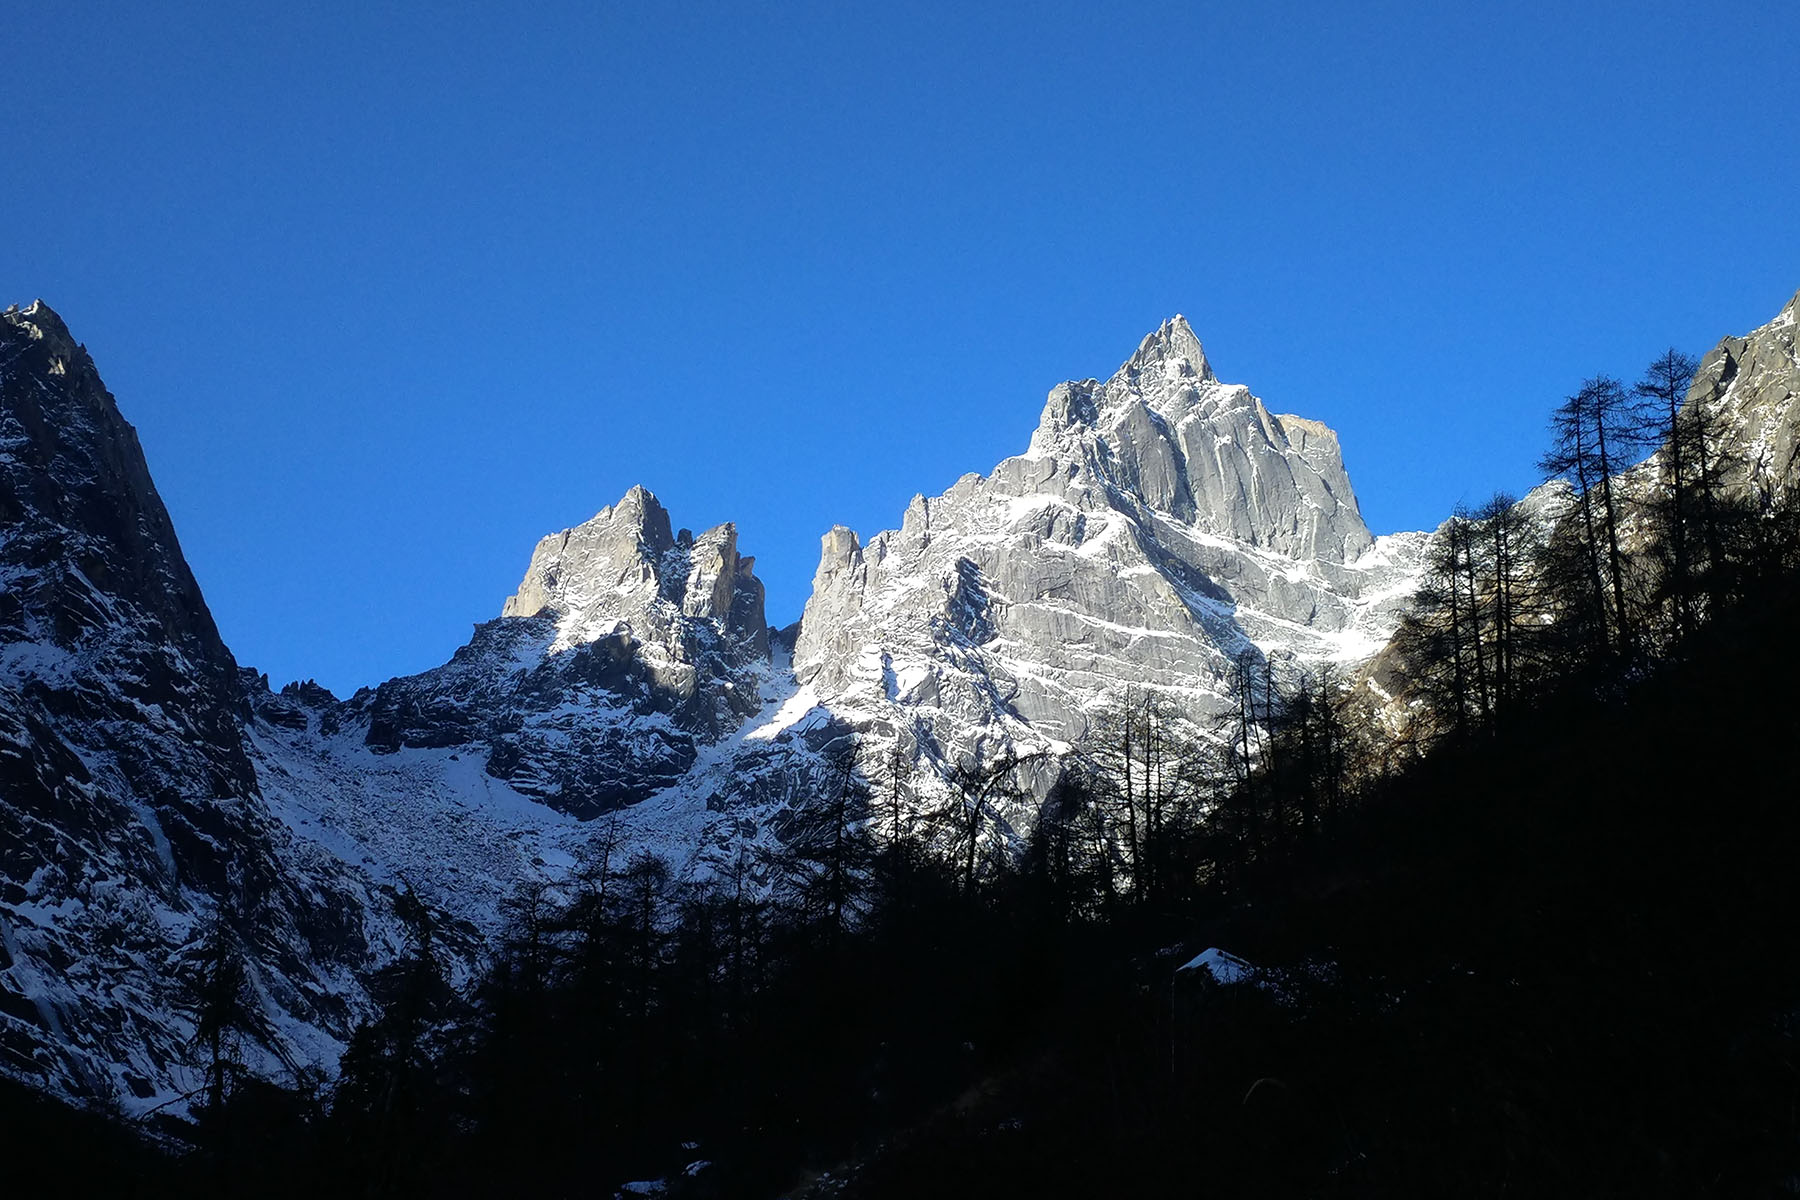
(1160, 526)
(626, 648)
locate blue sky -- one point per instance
(392, 290)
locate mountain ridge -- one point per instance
(130, 812)
(1161, 528)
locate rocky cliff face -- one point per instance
(1753, 382)
(129, 807)
(1160, 525)
(625, 649)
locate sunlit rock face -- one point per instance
(1753, 383)
(1160, 525)
(1166, 432)
(625, 567)
(626, 649)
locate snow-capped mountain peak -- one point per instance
(1172, 351)
(1162, 527)
(627, 567)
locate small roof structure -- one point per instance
(1221, 966)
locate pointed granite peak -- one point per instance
(1166, 432)
(638, 499)
(40, 323)
(626, 567)
(839, 550)
(1174, 350)
(618, 548)
(639, 511)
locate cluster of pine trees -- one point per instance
(1613, 566)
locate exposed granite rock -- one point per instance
(1160, 525)
(625, 649)
(1753, 382)
(1209, 455)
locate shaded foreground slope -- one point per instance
(1556, 963)
(1553, 962)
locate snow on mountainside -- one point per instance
(629, 689)
(1160, 525)
(626, 648)
(129, 808)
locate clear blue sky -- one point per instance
(392, 290)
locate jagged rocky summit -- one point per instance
(1160, 526)
(626, 647)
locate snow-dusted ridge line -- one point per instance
(996, 620)
(1160, 524)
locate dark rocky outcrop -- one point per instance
(129, 807)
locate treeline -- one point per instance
(1611, 568)
(896, 955)
(724, 1034)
